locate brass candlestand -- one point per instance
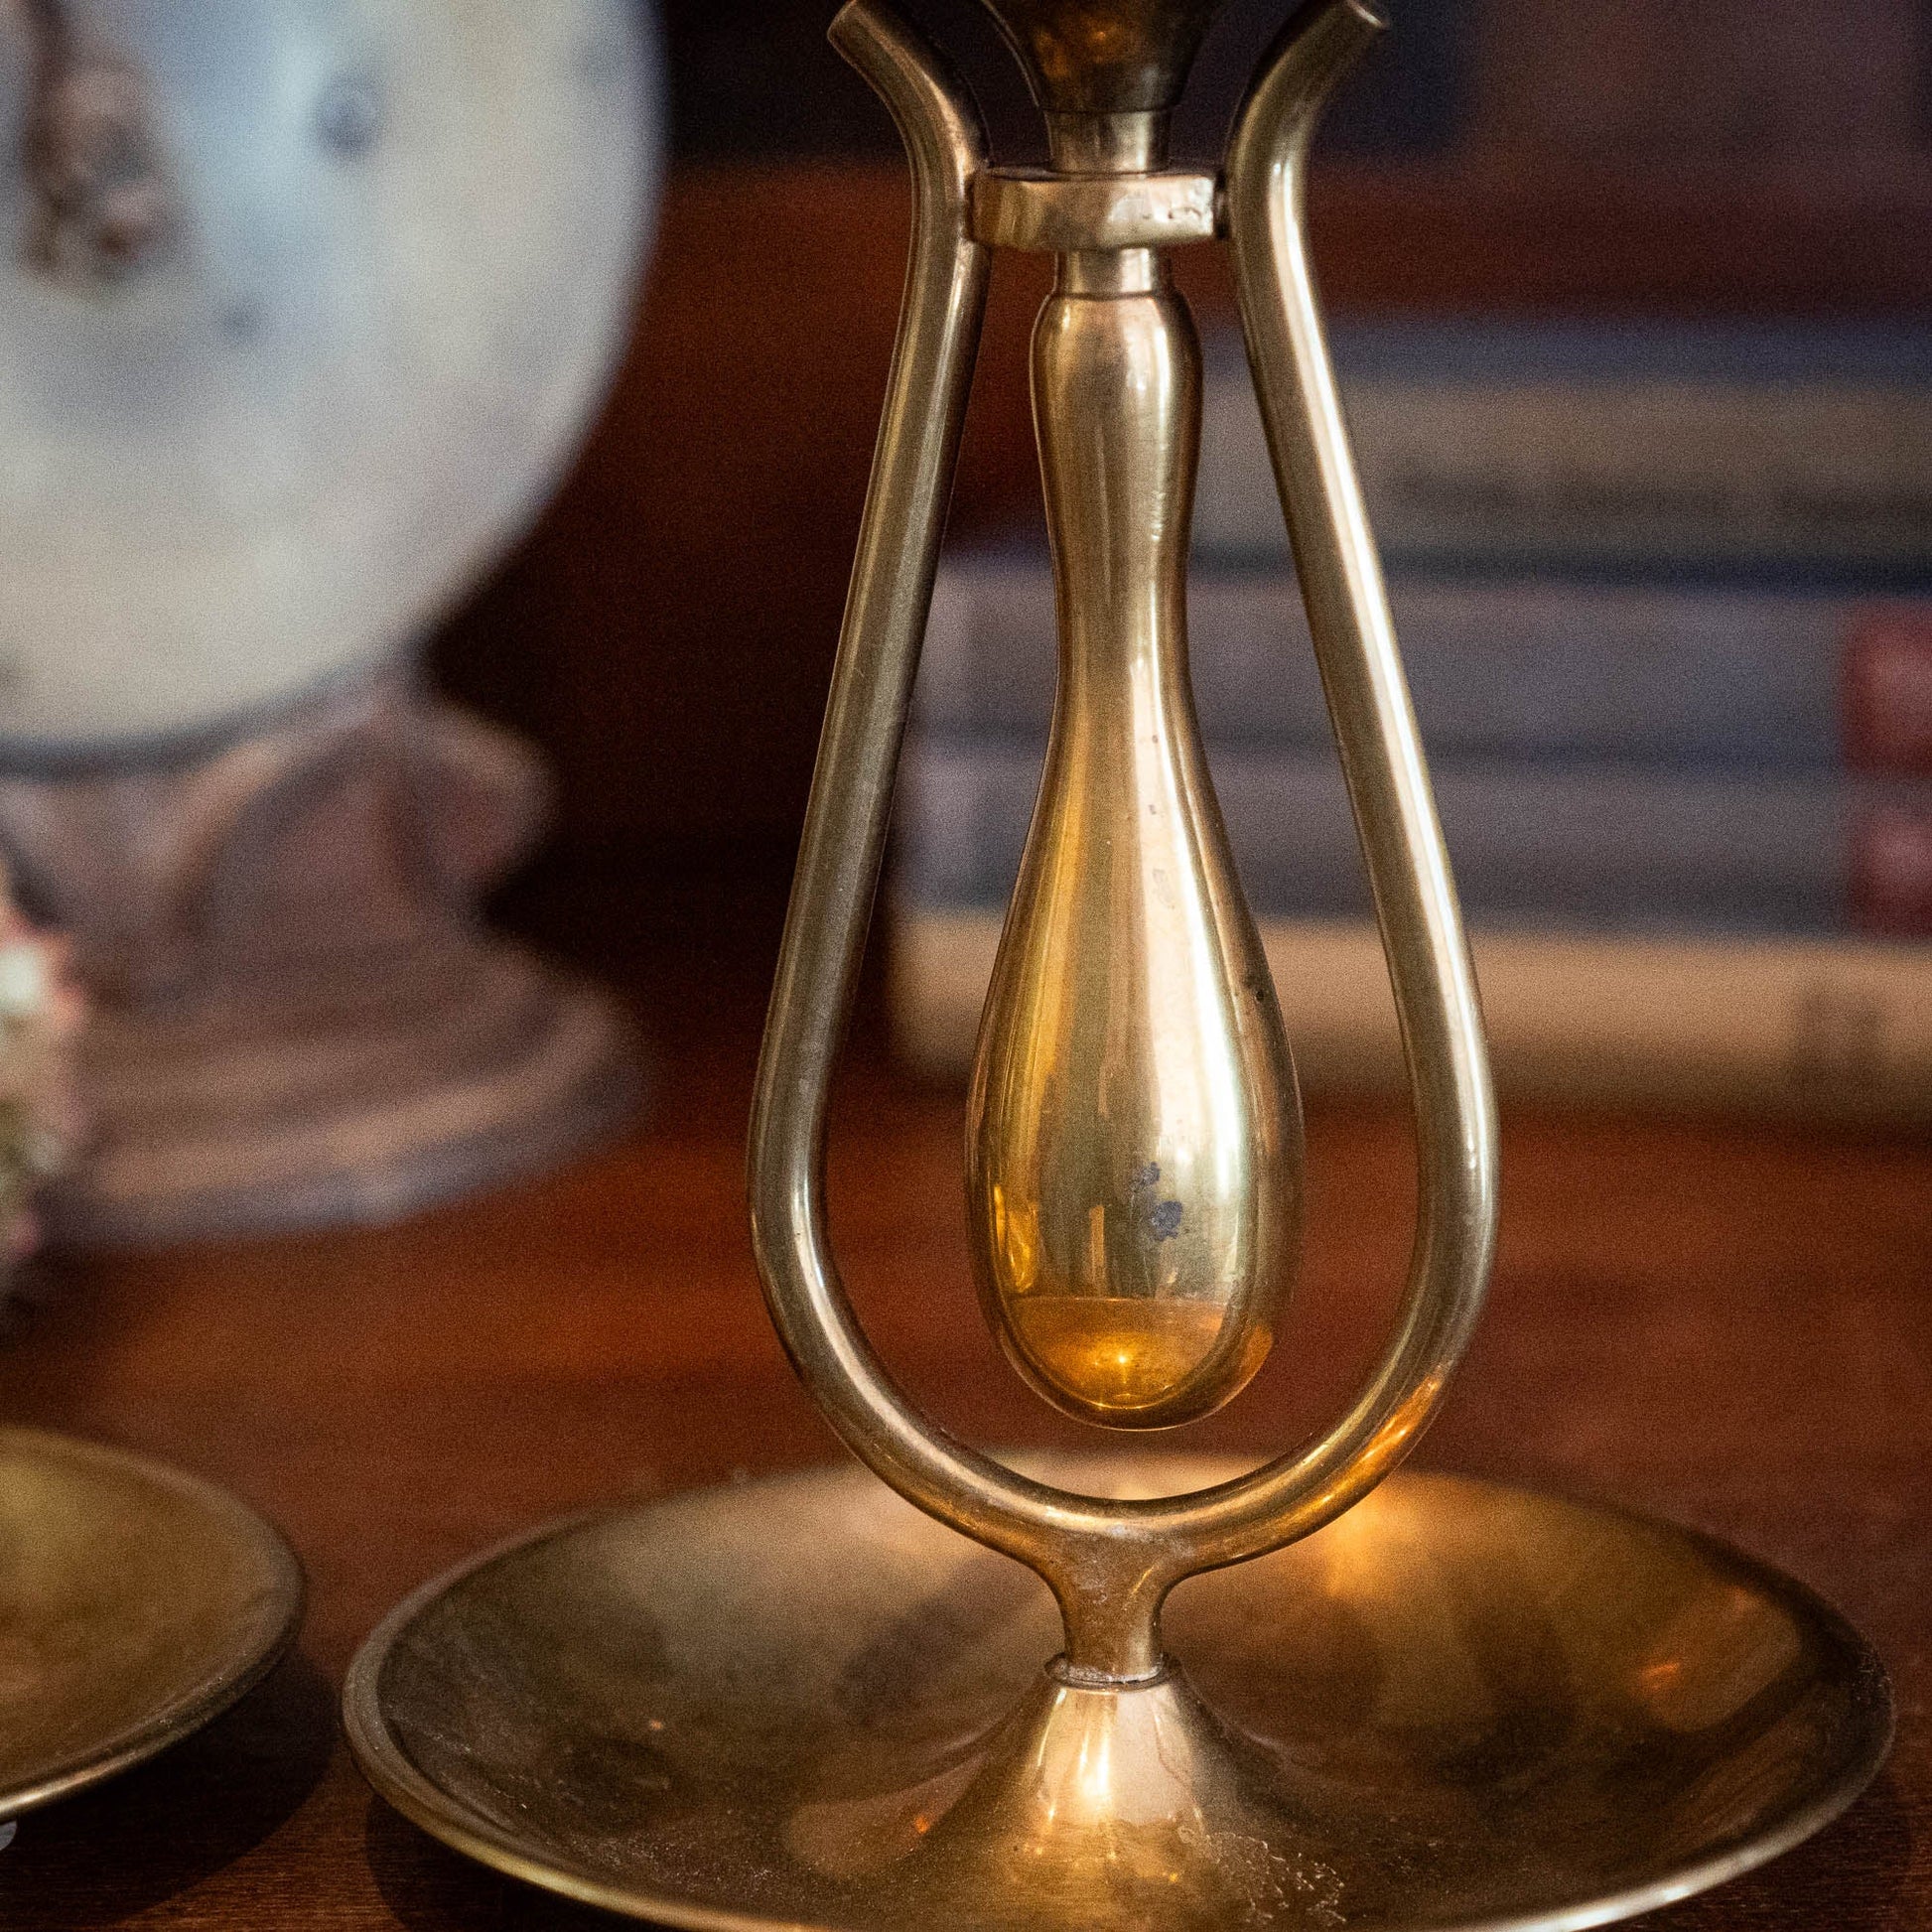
(805, 1704)
(137, 1603)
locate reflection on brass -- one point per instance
(1133, 1173)
(807, 1704)
(136, 1604)
(801, 1703)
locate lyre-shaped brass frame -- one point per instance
(1464, 1707)
(1110, 1564)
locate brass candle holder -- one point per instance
(137, 1603)
(805, 1704)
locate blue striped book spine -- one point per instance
(1539, 668)
(1609, 847)
(1638, 449)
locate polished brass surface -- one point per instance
(1414, 1704)
(136, 1604)
(1134, 1184)
(1110, 1564)
(1355, 641)
(800, 1703)
(1105, 57)
(1064, 213)
(1107, 144)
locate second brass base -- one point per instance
(137, 1603)
(802, 1704)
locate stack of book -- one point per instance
(1656, 592)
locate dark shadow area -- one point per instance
(431, 1890)
(758, 80)
(110, 1855)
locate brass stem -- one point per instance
(1134, 1146)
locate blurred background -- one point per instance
(666, 632)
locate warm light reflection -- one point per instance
(1126, 1352)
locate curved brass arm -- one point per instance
(1375, 727)
(1112, 1564)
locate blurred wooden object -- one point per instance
(296, 1014)
(1727, 1325)
(667, 632)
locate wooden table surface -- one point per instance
(1727, 1324)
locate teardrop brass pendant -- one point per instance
(1134, 1160)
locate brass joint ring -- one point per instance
(1064, 215)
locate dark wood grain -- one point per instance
(1727, 1324)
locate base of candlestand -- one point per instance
(137, 1603)
(802, 1703)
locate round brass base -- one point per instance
(136, 1604)
(802, 1704)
